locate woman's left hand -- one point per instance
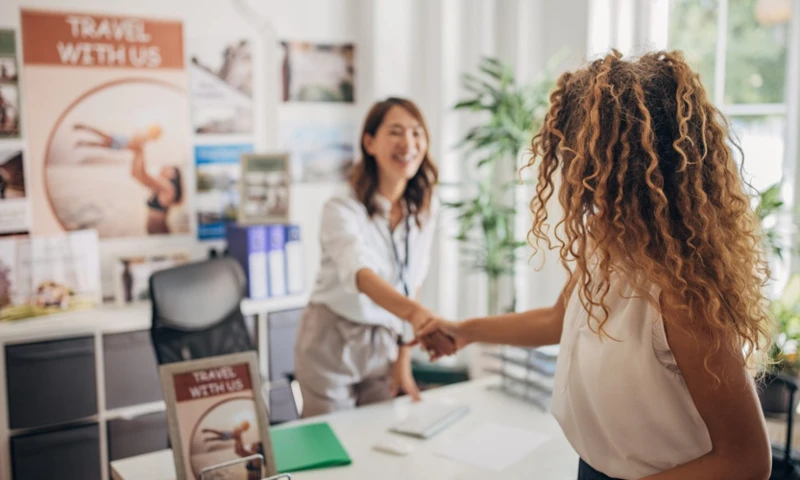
(402, 377)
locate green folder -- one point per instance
(307, 447)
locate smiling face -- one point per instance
(398, 146)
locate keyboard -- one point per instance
(427, 418)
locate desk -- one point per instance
(359, 429)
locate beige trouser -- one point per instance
(339, 363)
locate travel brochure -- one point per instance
(48, 274)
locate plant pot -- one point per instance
(774, 397)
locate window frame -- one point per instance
(650, 32)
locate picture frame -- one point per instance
(265, 188)
(216, 413)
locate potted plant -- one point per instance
(783, 359)
(783, 353)
(508, 114)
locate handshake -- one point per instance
(437, 336)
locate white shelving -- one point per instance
(115, 319)
(97, 322)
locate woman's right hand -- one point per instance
(439, 326)
(436, 343)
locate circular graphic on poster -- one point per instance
(116, 158)
(228, 431)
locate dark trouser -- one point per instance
(585, 472)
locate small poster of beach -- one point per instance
(313, 72)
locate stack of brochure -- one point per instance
(527, 372)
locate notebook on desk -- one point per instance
(426, 419)
(307, 447)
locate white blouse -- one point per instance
(624, 405)
(351, 240)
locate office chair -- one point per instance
(196, 314)
(784, 467)
(196, 311)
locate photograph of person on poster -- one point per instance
(166, 191)
(117, 141)
(166, 188)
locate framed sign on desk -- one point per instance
(216, 413)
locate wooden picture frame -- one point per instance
(216, 413)
(265, 188)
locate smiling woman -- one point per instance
(376, 246)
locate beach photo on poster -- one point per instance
(9, 110)
(318, 72)
(221, 73)
(117, 158)
(319, 151)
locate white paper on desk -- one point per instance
(493, 446)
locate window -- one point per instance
(739, 48)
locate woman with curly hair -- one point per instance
(663, 308)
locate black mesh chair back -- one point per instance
(196, 312)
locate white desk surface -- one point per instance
(358, 430)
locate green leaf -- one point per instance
(505, 114)
(471, 104)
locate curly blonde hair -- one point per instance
(650, 190)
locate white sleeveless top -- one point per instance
(623, 405)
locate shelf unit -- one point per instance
(527, 373)
(98, 324)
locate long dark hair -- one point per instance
(177, 184)
(364, 178)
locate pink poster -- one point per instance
(107, 122)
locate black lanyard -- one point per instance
(404, 265)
